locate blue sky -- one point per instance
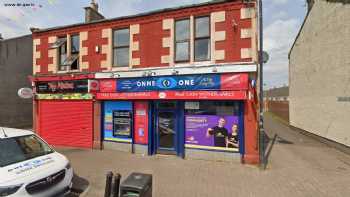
(282, 20)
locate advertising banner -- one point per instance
(175, 95)
(212, 132)
(77, 86)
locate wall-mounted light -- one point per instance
(97, 49)
(234, 23)
(152, 73)
(215, 70)
(144, 74)
(116, 75)
(175, 72)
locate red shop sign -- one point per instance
(108, 85)
(175, 95)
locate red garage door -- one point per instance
(66, 123)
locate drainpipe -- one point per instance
(261, 82)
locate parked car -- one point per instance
(30, 167)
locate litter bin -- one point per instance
(137, 185)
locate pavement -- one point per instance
(299, 166)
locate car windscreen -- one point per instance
(18, 149)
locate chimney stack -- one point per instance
(91, 12)
(1, 38)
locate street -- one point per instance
(298, 166)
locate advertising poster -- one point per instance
(112, 121)
(122, 120)
(141, 122)
(212, 132)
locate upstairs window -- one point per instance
(121, 46)
(67, 60)
(73, 61)
(61, 44)
(202, 38)
(75, 43)
(182, 40)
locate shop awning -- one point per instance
(174, 95)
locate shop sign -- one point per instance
(175, 95)
(76, 96)
(190, 82)
(107, 85)
(212, 132)
(76, 86)
(93, 85)
(227, 81)
(25, 93)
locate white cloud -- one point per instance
(279, 2)
(280, 15)
(278, 38)
(16, 21)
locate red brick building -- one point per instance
(175, 81)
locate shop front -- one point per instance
(181, 115)
(64, 110)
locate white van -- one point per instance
(30, 167)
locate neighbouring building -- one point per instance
(319, 72)
(276, 100)
(15, 67)
(175, 81)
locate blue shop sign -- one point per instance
(185, 82)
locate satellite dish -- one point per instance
(265, 57)
(25, 93)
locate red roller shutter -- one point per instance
(66, 123)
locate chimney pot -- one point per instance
(91, 12)
(94, 5)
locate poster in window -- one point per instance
(122, 122)
(212, 132)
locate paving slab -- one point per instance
(299, 166)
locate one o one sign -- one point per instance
(25, 93)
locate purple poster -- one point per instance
(211, 131)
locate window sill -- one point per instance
(197, 63)
(69, 71)
(121, 68)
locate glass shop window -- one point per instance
(219, 108)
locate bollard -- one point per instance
(108, 188)
(116, 185)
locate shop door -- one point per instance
(66, 123)
(166, 128)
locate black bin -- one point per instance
(137, 185)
